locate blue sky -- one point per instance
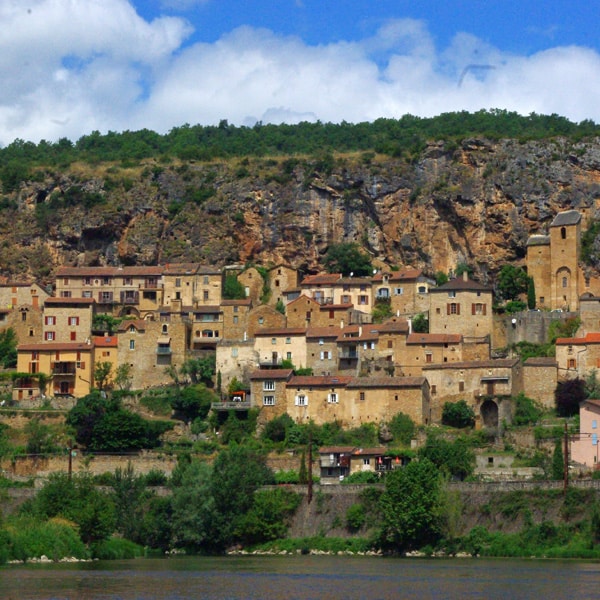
(73, 66)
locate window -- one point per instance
(594, 439)
(235, 309)
(461, 386)
(301, 400)
(594, 424)
(105, 296)
(132, 344)
(422, 289)
(366, 461)
(261, 320)
(398, 291)
(571, 363)
(288, 340)
(49, 336)
(106, 281)
(127, 280)
(333, 398)
(23, 316)
(325, 355)
(542, 299)
(235, 319)
(428, 357)
(73, 336)
(390, 343)
(478, 309)
(564, 282)
(321, 341)
(273, 341)
(205, 295)
(433, 389)
(453, 308)
(288, 356)
(452, 294)
(73, 321)
(50, 320)
(205, 280)
(361, 396)
(268, 385)
(247, 291)
(87, 281)
(364, 300)
(105, 353)
(268, 400)
(177, 281)
(64, 294)
(65, 281)
(234, 352)
(563, 233)
(345, 299)
(87, 293)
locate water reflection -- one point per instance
(301, 578)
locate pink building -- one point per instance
(585, 448)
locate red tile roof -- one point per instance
(319, 381)
(434, 338)
(53, 300)
(386, 382)
(321, 279)
(281, 332)
(55, 346)
(105, 341)
(590, 338)
(271, 374)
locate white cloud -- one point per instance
(72, 66)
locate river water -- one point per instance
(302, 578)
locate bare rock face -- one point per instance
(476, 203)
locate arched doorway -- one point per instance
(489, 413)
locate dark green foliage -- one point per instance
(233, 289)
(568, 395)
(12, 174)
(117, 549)
(355, 517)
(463, 268)
(512, 282)
(527, 350)
(277, 429)
(515, 306)
(454, 459)
(458, 414)
(103, 424)
(411, 506)
(441, 278)
(382, 311)
(402, 428)
(420, 324)
(280, 306)
(78, 500)
(303, 474)
(199, 370)
(105, 322)
(346, 258)
(531, 298)
(40, 438)
(589, 252)
(563, 328)
(8, 348)
(193, 402)
(239, 426)
(558, 461)
(526, 410)
(268, 518)
(361, 477)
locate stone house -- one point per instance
(273, 346)
(268, 392)
(206, 328)
(321, 349)
(282, 279)
(486, 386)
(15, 294)
(540, 376)
(334, 463)
(577, 357)
(461, 306)
(25, 321)
(67, 319)
(235, 358)
(407, 291)
(355, 291)
(120, 291)
(253, 283)
(106, 350)
(264, 317)
(320, 287)
(67, 366)
(340, 315)
(191, 284)
(584, 447)
(371, 460)
(357, 346)
(421, 349)
(235, 318)
(303, 312)
(150, 348)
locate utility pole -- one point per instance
(310, 479)
(566, 456)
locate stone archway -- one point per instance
(489, 413)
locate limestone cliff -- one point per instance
(476, 202)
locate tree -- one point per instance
(105, 322)
(199, 369)
(463, 268)
(233, 289)
(531, 298)
(458, 414)
(560, 328)
(8, 348)
(512, 282)
(123, 378)
(527, 411)
(102, 372)
(420, 324)
(194, 402)
(558, 461)
(411, 506)
(454, 459)
(347, 258)
(440, 278)
(40, 439)
(402, 428)
(568, 395)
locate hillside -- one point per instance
(475, 201)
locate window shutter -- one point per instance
(457, 308)
(447, 309)
(484, 308)
(82, 365)
(45, 320)
(472, 309)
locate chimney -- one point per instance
(465, 276)
(409, 321)
(342, 324)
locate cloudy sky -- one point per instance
(69, 67)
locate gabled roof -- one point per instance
(359, 333)
(336, 449)
(108, 271)
(319, 381)
(304, 298)
(568, 217)
(540, 361)
(323, 332)
(354, 281)
(369, 451)
(271, 374)
(139, 324)
(244, 302)
(321, 279)
(404, 275)
(394, 326)
(434, 338)
(386, 382)
(105, 341)
(590, 338)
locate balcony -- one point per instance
(348, 354)
(64, 368)
(25, 383)
(231, 405)
(322, 300)
(164, 350)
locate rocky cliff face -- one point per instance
(475, 203)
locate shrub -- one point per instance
(361, 477)
(402, 428)
(458, 414)
(527, 411)
(355, 517)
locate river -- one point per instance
(301, 578)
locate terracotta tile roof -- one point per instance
(105, 341)
(397, 326)
(280, 332)
(56, 346)
(369, 451)
(321, 279)
(386, 382)
(434, 338)
(500, 363)
(354, 281)
(139, 324)
(359, 333)
(322, 332)
(541, 361)
(345, 306)
(403, 275)
(590, 338)
(271, 374)
(319, 381)
(108, 271)
(459, 284)
(336, 449)
(304, 298)
(72, 301)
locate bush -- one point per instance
(361, 477)
(458, 414)
(116, 549)
(355, 517)
(527, 411)
(402, 428)
(568, 395)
